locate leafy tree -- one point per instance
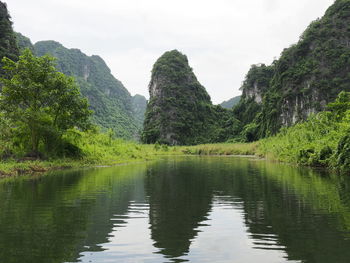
(40, 101)
(340, 105)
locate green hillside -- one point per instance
(107, 96)
(111, 102)
(228, 104)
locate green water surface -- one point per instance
(182, 209)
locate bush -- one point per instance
(343, 153)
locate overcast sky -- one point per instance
(221, 38)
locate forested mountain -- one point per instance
(8, 46)
(108, 98)
(111, 102)
(180, 110)
(303, 80)
(24, 42)
(228, 104)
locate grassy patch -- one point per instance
(94, 149)
(222, 149)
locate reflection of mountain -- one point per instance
(180, 198)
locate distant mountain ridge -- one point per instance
(111, 102)
(139, 104)
(228, 104)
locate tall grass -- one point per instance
(313, 142)
(222, 149)
(88, 149)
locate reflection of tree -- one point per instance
(180, 198)
(51, 219)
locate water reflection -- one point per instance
(180, 209)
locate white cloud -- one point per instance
(221, 38)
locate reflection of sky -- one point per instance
(223, 237)
(130, 241)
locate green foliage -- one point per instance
(39, 102)
(343, 153)
(250, 132)
(340, 106)
(322, 140)
(79, 149)
(221, 149)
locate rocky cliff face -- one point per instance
(304, 79)
(179, 110)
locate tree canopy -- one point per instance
(40, 102)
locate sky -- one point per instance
(221, 38)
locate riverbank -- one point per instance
(309, 144)
(132, 153)
(94, 154)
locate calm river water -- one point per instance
(180, 209)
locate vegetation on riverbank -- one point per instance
(321, 141)
(222, 149)
(87, 149)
